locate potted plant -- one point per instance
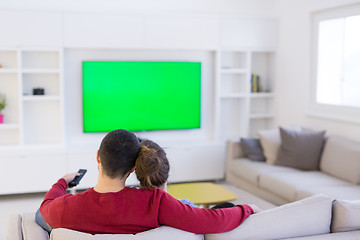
(2, 106)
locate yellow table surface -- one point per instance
(203, 193)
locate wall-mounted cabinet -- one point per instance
(31, 119)
(245, 92)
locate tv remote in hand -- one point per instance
(77, 179)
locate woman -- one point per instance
(152, 169)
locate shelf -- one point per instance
(40, 71)
(233, 71)
(234, 95)
(32, 120)
(41, 98)
(242, 112)
(9, 126)
(8, 59)
(261, 115)
(262, 95)
(8, 70)
(40, 59)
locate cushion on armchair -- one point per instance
(161, 233)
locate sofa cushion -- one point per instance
(161, 233)
(252, 149)
(302, 218)
(353, 235)
(336, 192)
(300, 149)
(13, 227)
(346, 216)
(270, 141)
(341, 158)
(30, 229)
(251, 170)
(287, 184)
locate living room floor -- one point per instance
(19, 203)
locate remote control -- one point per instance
(77, 179)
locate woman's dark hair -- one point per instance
(152, 166)
(118, 152)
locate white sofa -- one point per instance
(312, 218)
(338, 175)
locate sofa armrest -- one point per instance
(30, 229)
(233, 150)
(13, 227)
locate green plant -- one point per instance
(2, 102)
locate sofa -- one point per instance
(255, 167)
(315, 218)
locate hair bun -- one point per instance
(152, 166)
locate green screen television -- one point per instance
(141, 95)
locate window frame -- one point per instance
(328, 111)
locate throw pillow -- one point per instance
(307, 217)
(346, 216)
(270, 142)
(300, 150)
(252, 149)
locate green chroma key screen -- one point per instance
(140, 96)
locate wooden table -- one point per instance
(201, 193)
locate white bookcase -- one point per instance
(32, 119)
(241, 112)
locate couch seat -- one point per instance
(336, 192)
(287, 184)
(252, 170)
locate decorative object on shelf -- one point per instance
(2, 106)
(38, 91)
(1, 65)
(255, 83)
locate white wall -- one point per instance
(244, 8)
(294, 66)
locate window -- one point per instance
(336, 75)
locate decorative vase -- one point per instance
(1, 118)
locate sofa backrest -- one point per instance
(160, 233)
(341, 158)
(310, 216)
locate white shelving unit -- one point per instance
(32, 119)
(241, 112)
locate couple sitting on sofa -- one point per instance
(110, 207)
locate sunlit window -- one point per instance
(338, 62)
(335, 80)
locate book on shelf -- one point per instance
(255, 83)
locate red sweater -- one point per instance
(133, 210)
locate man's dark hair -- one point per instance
(118, 152)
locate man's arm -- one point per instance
(51, 208)
(198, 220)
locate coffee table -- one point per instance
(201, 193)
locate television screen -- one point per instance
(140, 96)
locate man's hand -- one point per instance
(255, 208)
(70, 176)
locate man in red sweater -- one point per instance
(111, 207)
